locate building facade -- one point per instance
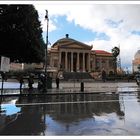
(70, 55)
(136, 62)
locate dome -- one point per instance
(137, 55)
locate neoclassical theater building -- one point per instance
(70, 55)
(136, 62)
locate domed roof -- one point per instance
(137, 55)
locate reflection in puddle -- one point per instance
(10, 109)
(77, 114)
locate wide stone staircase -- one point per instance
(77, 76)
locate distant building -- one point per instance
(33, 66)
(136, 61)
(16, 66)
(25, 66)
(70, 55)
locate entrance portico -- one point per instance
(75, 60)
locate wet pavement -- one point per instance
(12, 88)
(105, 114)
(78, 114)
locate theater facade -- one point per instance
(70, 55)
(136, 62)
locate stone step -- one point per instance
(76, 75)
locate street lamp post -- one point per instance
(46, 49)
(46, 52)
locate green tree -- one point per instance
(21, 33)
(115, 52)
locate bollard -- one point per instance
(49, 83)
(82, 86)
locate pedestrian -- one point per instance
(21, 81)
(42, 82)
(30, 82)
(57, 82)
(103, 75)
(128, 78)
(39, 82)
(4, 76)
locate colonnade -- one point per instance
(74, 61)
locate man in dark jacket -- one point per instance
(57, 82)
(103, 75)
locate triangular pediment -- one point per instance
(76, 45)
(68, 43)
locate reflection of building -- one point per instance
(136, 61)
(39, 119)
(71, 112)
(71, 55)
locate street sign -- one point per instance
(5, 64)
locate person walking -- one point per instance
(57, 82)
(103, 75)
(30, 82)
(42, 82)
(21, 81)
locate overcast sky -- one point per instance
(101, 25)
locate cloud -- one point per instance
(116, 21)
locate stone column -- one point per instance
(94, 63)
(108, 67)
(68, 61)
(51, 60)
(71, 61)
(60, 55)
(83, 62)
(78, 61)
(89, 62)
(66, 64)
(101, 64)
